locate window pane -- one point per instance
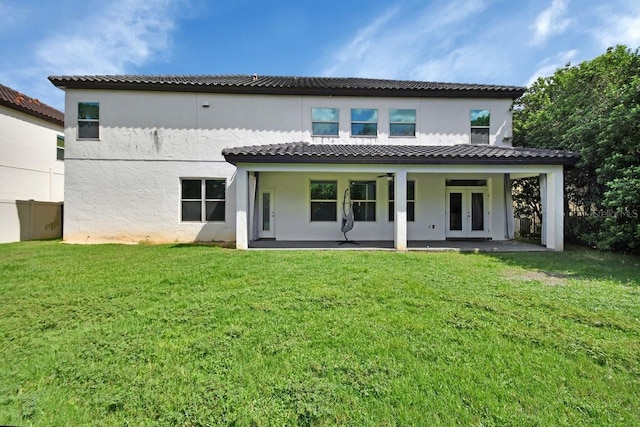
(324, 190)
(480, 117)
(402, 129)
(364, 211)
(366, 129)
(477, 211)
(60, 153)
(411, 190)
(323, 211)
(191, 189)
(411, 211)
(60, 141)
(215, 211)
(455, 214)
(402, 116)
(191, 211)
(392, 211)
(214, 189)
(479, 135)
(88, 130)
(89, 110)
(325, 129)
(325, 115)
(364, 115)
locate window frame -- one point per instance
(312, 201)
(411, 202)
(337, 122)
(364, 122)
(89, 120)
(204, 200)
(477, 127)
(401, 123)
(60, 148)
(356, 203)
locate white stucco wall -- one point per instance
(125, 186)
(28, 165)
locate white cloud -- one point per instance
(396, 44)
(549, 65)
(619, 27)
(125, 34)
(550, 21)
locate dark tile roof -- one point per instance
(279, 85)
(18, 101)
(304, 152)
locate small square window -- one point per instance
(325, 121)
(195, 208)
(402, 122)
(324, 200)
(364, 122)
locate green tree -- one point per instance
(592, 108)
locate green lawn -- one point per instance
(198, 335)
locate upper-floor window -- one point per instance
(325, 121)
(363, 197)
(60, 147)
(364, 122)
(324, 200)
(480, 120)
(88, 120)
(203, 199)
(402, 122)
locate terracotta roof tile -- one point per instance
(286, 85)
(18, 101)
(304, 152)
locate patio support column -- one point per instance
(554, 221)
(242, 208)
(400, 224)
(543, 207)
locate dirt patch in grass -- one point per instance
(546, 277)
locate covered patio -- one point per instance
(451, 179)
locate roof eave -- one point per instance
(261, 90)
(300, 159)
(18, 107)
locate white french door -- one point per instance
(267, 216)
(467, 213)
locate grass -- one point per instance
(199, 335)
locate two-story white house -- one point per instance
(242, 158)
(31, 167)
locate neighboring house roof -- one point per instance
(18, 101)
(304, 152)
(278, 85)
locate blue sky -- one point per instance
(464, 41)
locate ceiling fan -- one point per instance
(388, 176)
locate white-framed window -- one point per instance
(480, 122)
(60, 147)
(411, 201)
(202, 200)
(364, 122)
(325, 121)
(402, 122)
(88, 120)
(324, 200)
(363, 197)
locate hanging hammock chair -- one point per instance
(347, 217)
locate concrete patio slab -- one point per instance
(387, 245)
